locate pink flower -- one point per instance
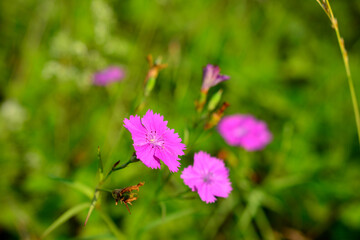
(212, 77)
(154, 141)
(208, 176)
(108, 75)
(245, 131)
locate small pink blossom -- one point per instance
(154, 141)
(108, 75)
(245, 131)
(208, 176)
(212, 77)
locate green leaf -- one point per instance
(166, 219)
(219, 215)
(77, 186)
(92, 206)
(350, 215)
(273, 203)
(279, 184)
(264, 226)
(64, 217)
(214, 101)
(253, 203)
(150, 85)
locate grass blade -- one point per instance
(92, 206)
(325, 5)
(80, 187)
(166, 219)
(64, 217)
(253, 203)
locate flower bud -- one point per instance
(216, 116)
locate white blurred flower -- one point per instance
(103, 20)
(79, 48)
(13, 114)
(33, 159)
(54, 69)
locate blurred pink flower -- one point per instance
(212, 77)
(245, 131)
(108, 75)
(208, 176)
(154, 141)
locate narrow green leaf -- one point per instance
(166, 219)
(264, 226)
(150, 85)
(214, 101)
(80, 187)
(219, 216)
(279, 184)
(112, 226)
(64, 217)
(92, 206)
(273, 203)
(249, 232)
(253, 203)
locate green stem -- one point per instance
(177, 196)
(139, 221)
(202, 101)
(102, 181)
(249, 232)
(325, 5)
(264, 225)
(114, 168)
(104, 190)
(132, 160)
(101, 166)
(198, 131)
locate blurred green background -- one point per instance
(285, 68)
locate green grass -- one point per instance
(285, 67)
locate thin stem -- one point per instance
(103, 180)
(104, 190)
(198, 131)
(325, 5)
(178, 196)
(264, 225)
(123, 166)
(114, 168)
(139, 221)
(101, 166)
(249, 232)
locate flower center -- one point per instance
(154, 139)
(207, 177)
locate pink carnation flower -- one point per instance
(208, 176)
(109, 75)
(212, 77)
(245, 131)
(154, 141)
